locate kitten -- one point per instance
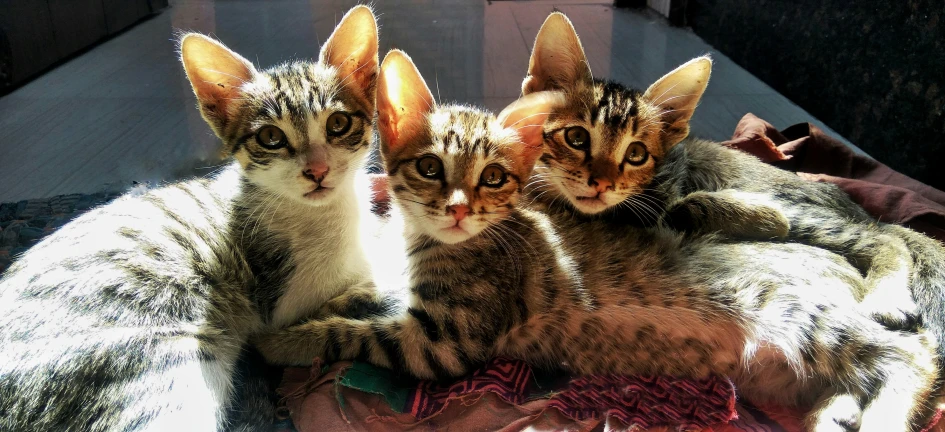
(613, 148)
(133, 316)
(489, 276)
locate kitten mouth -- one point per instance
(455, 228)
(318, 192)
(590, 204)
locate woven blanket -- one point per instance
(514, 393)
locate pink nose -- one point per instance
(459, 212)
(601, 184)
(316, 171)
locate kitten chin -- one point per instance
(449, 232)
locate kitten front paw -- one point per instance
(684, 216)
(283, 347)
(769, 223)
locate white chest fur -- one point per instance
(328, 250)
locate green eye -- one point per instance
(338, 123)
(271, 137)
(430, 167)
(636, 154)
(577, 137)
(492, 176)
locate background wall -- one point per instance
(874, 70)
(35, 34)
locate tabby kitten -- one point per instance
(132, 316)
(612, 148)
(491, 277)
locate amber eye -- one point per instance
(430, 167)
(492, 176)
(636, 154)
(338, 123)
(577, 137)
(271, 137)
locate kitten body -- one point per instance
(135, 315)
(490, 276)
(614, 151)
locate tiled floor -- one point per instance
(124, 112)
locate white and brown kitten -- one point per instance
(133, 316)
(490, 276)
(612, 151)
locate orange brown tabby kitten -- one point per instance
(612, 151)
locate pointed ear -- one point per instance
(558, 61)
(403, 102)
(217, 74)
(352, 50)
(677, 94)
(526, 116)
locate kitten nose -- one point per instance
(459, 212)
(316, 171)
(600, 184)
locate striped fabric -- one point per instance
(509, 379)
(639, 402)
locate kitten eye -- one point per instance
(338, 123)
(271, 137)
(636, 153)
(492, 176)
(577, 137)
(430, 167)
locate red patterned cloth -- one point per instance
(649, 401)
(509, 379)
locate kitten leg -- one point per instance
(361, 301)
(734, 213)
(877, 251)
(888, 298)
(890, 377)
(191, 400)
(903, 400)
(928, 280)
(422, 344)
(253, 403)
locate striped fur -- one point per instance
(557, 289)
(705, 187)
(135, 315)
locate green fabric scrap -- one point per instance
(393, 387)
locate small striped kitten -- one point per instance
(133, 316)
(612, 151)
(490, 276)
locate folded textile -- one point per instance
(884, 193)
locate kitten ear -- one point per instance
(677, 94)
(403, 102)
(558, 61)
(352, 50)
(526, 116)
(217, 74)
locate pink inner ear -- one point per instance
(403, 101)
(387, 128)
(527, 117)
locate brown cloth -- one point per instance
(886, 194)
